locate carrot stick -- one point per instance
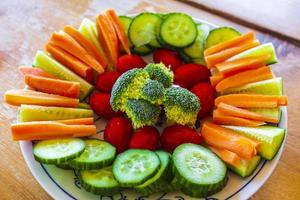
(115, 21)
(218, 136)
(79, 121)
(233, 67)
(221, 118)
(227, 156)
(49, 130)
(215, 79)
(18, 97)
(238, 112)
(242, 78)
(53, 86)
(221, 56)
(86, 44)
(252, 100)
(108, 37)
(230, 43)
(35, 71)
(67, 43)
(71, 62)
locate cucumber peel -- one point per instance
(246, 166)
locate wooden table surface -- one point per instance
(25, 26)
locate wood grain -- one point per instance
(26, 26)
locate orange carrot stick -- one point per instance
(238, 112)
(230, 43)
(35, 71)
(67, 43)
(218, 136)
(221, 118)
(53, 86)
(227, 156)
(221, 56)
(114, 19)
(252, 100)
(18, 97)
(215, 79)
(49, 130)
(79, 121)
(242, 78)
(86, 44)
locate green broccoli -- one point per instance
(142, 112)
(159, 72)
(128, 86)
(181, 106)
(153, 91)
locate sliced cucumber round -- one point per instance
(142, 50)
(126, 21)
(198, 170)
(97, 154)
(99, 181)
(58, 151)
(134, 166)
(178, 30)
(65, 165)
(219, 35)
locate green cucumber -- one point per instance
(246, 166)
(64, 165)
(260, 50)
(58, 151)
(142, 50)
(178, 30)
(219, 35)
(100, 182)
(199, 61)
(144, 29)
(198, 170)
(269, 112)
(28, 113)
(270, 137)
(84, 105)
(267, 87)
(197, 48)
(135, 166)
(161, 179)
(97, 154)
(47, 63)
(184, 57)
(126, 21)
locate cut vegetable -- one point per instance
(227, 156)
(53, 86)
(35, 71)
(57, 151)
(270, 138)
(218, 136)
(97, 154)
(220, 35)
(79, 121)
(45, 62)
(135, 166)
(252, 100)
(274, 113)
(142, 50)
(246, 77)
(18, 97)
(215, 79)
(44, 130)
(126, 21)
(222, 118)
(246, 166)
(199, 172)
(29, 113)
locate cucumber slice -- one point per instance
(99, 181)
(269, 112)
(134, 166)
(58, 151)
(263, 49)
(47, 63)
(270, 137)
(178, 30)
(219, 35)
(126, 21)
(97, 154)
(198, 170)
(161, 179)
(246, 166)
(143, 29)
(197, 48)
(64, 165)
(142, 50)
(184, 57)
(200, 61)
(266, 87)
(28, 113)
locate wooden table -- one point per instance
(26, 26)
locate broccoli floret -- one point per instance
(159, 72)
(153, 91)
(142, 112)
(128, 86)
(181, 106)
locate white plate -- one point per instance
(64, 184)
